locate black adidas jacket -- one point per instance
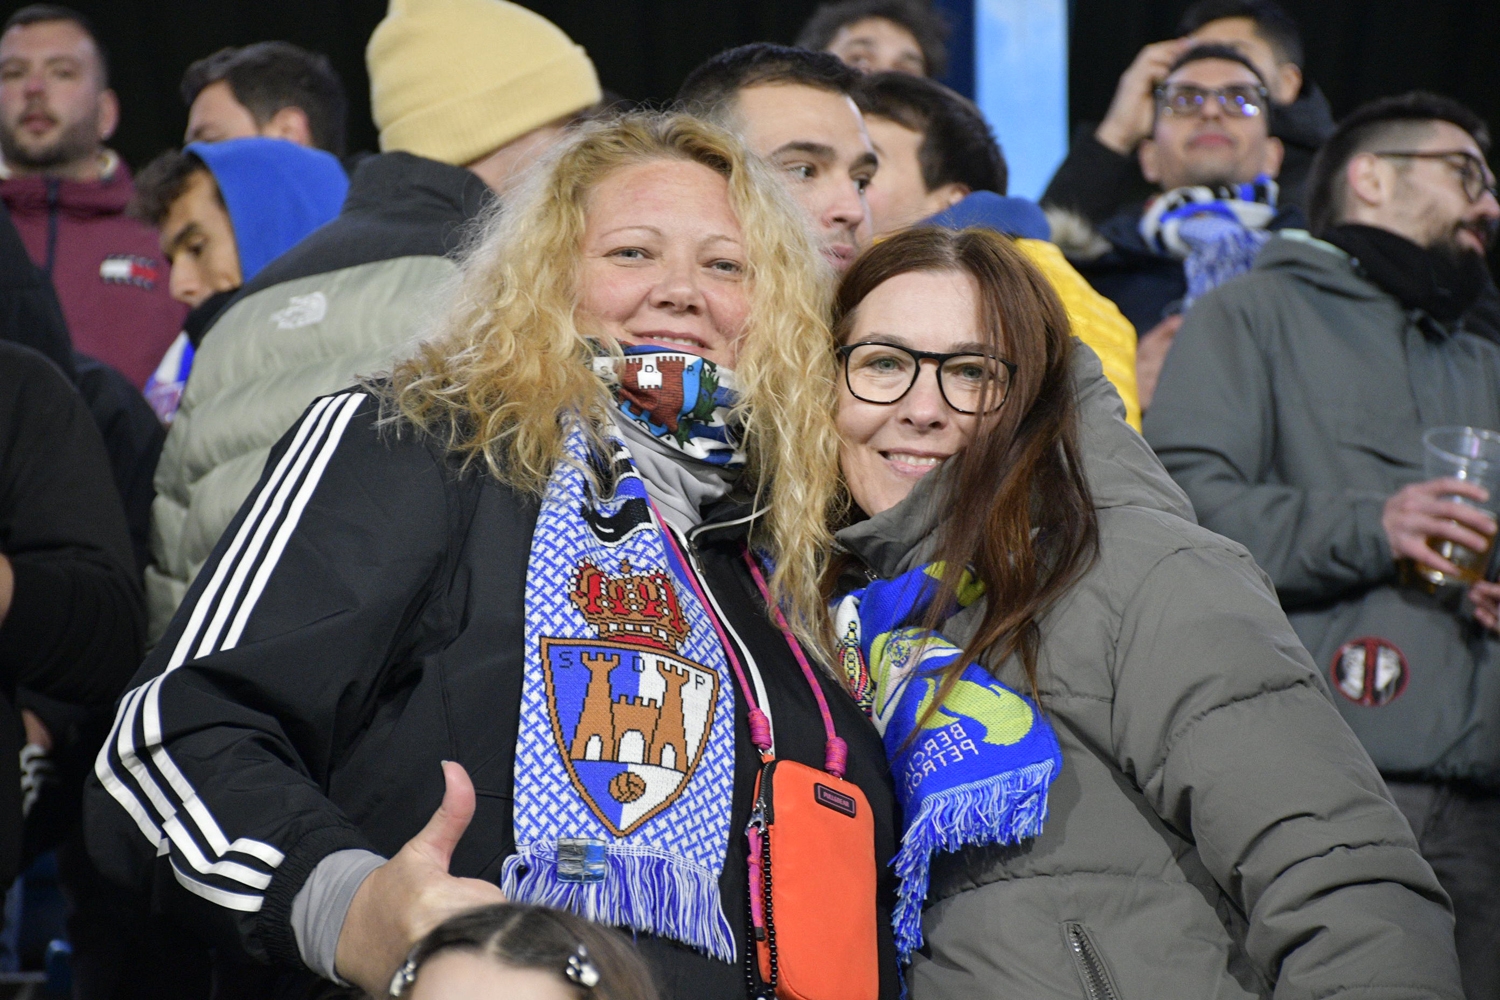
(359, 622)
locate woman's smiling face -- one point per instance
(887, 448)
(663, 261)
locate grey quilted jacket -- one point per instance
(1216, 831)
(346, 301)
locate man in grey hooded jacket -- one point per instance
(1291, 410)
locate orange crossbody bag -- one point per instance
(811, 845)
(811, 853)
(812, 885)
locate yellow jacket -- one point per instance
(1096, 321)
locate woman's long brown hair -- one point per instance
(1017, 509)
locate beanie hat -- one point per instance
(454, 80)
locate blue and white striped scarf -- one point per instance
(1216, 233)
(624, 766)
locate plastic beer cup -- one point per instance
(1472, 455)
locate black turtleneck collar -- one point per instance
(1441, 282)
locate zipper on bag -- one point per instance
(1097, 984)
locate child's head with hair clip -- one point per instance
(513, 951)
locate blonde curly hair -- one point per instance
(509, 356)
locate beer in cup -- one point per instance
(1472, 455)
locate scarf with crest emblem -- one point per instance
(624, 765)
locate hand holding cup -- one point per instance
(1429, 510)
(1442, 529)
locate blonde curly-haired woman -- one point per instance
(523, 556)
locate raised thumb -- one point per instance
(443, 831)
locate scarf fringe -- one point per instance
(1003, 809)
(644, 889)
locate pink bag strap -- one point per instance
(836, 751)
(760, 726)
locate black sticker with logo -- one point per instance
(837, 801)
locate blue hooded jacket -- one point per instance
(276, 193)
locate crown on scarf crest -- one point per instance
(639, 609)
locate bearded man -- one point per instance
(67, 191)
(1292, 410)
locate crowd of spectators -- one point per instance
(1283, 303)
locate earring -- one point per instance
(404, 977)
(581, 970)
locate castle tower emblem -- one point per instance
(604, 724)
(654, 385)
(629, 713)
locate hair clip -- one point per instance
(404, 977)
(581, 970)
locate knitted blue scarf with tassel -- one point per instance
(973, 769)
(624, 767)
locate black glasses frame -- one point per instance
(918, 357)
(1471, 174)
(1220, 94)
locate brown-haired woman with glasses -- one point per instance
(1215, 830)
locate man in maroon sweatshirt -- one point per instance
(67, 193)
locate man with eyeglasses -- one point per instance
(1292, 410)
(1214, 161)
(1101, 175)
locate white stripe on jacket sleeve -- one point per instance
(175, 819)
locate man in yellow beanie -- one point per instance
(467, 94)
(482, 84)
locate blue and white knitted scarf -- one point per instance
(976, 769)
(1216, 233)
(624, 766)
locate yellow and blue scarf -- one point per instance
(973, 769)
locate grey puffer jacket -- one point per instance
(1291, 408)
(349, 300)
(1216, 831)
